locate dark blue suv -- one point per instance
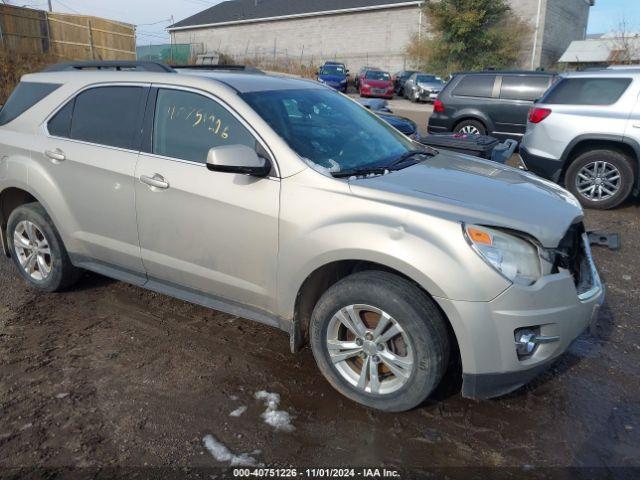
(334, 75)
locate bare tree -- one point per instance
(624, 45)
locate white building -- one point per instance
(358, 32)
(603, 51)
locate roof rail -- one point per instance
(119, 65)
(220, 68)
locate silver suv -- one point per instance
(285, 202)
(585, 134)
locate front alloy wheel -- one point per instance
(370, 349)
(380, 340)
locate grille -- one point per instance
(572, 255)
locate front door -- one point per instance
(210, 232)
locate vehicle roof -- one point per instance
(240, 82)
(508, 72)
(626, 73)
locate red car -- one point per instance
(375, 83)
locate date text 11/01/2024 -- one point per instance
(315, 473)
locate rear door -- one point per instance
(633, 128)
(91, 147)
(517, 94)
(211, 233)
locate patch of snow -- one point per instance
(278, 419)
(335, 167)
(238, 411)
(60, 396)
(222, 454)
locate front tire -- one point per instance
(601, 179)
(37, 250)
(380, 341)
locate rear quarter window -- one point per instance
(25, 96)
(475, 86)
(587, 91)
(518, 87)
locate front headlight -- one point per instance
(515, 258)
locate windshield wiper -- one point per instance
(409, 155)
(359, 172)
(383, 169)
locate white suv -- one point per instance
(585, 133)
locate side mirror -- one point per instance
(237, 159)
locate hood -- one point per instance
(332, 78)
(466, 189)
(405, 125)
(378, 83)
(431, 85)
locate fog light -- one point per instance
(527, 339)
(525, 342)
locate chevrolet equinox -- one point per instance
(282, 201)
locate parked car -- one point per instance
(376, 83)
(423, 87)
(489, 103)
(282, 201)
(585, 134)
(335, 76)
(361, 74)
(399, 80)
(402, 124)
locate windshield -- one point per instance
(329, 130)
(332, 70)
(428, 79)
(375, 75)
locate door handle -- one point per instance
(157, 181)
(56, 156)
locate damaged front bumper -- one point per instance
(554, 306)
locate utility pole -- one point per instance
(50, 6)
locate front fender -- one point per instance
(320, 226)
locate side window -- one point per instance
(25, 96)
(107, 116)
(518, 87)
(188, 125)
(475, 86)
(587, 91)
(60, 124)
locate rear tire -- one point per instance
(37, 250)
(601, 179)
(471, 127)
(392, 374)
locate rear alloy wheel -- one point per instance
(601, 179)
(37, 249)
(32, 250)
(380, 340)
(471, 127)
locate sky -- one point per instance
(153, 16)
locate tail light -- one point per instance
(438, 106)
(536, 115)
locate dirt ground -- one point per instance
(110, 375)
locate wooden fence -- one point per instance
(71, 37)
